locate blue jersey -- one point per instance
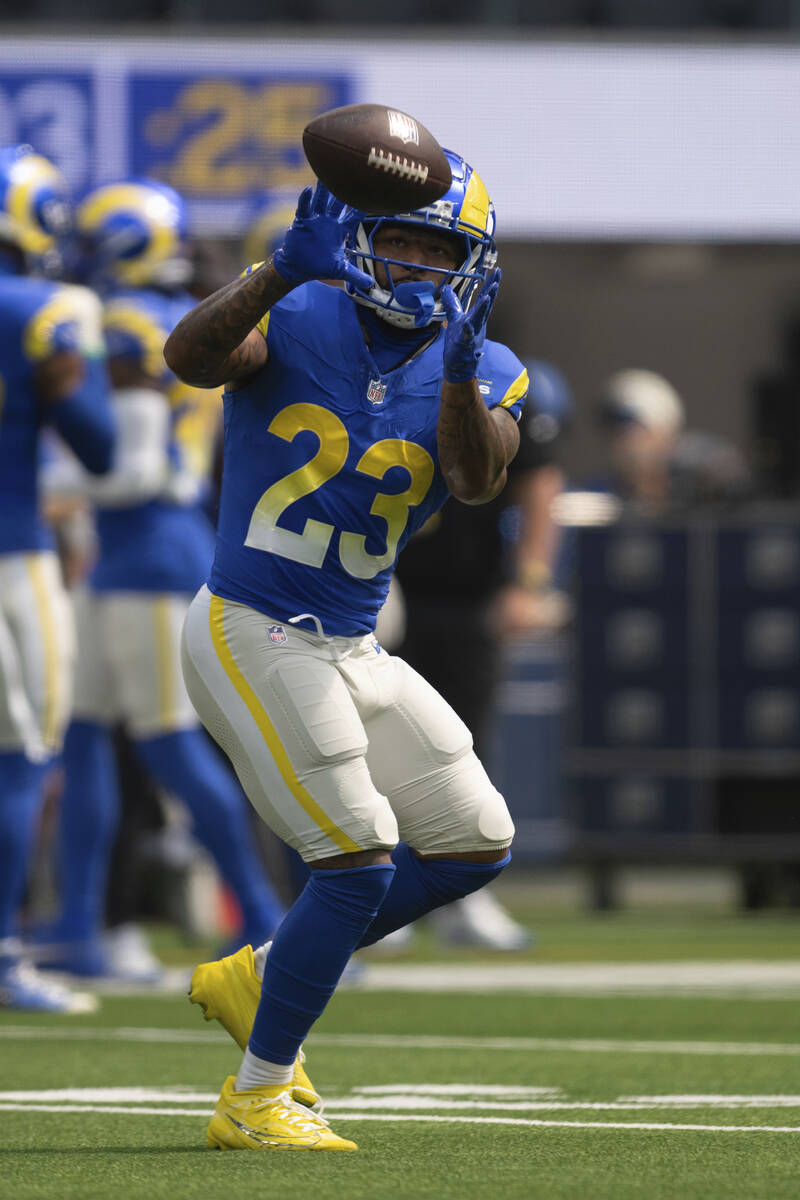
(38, 319)
(162, 544)
(331, 466)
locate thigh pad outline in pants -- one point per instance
(285, 717)
(420, 754)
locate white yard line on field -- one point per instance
(427, 1118)
(393, 1097)
(748, 979)
(400, 1041)
(359, 1116)
(581, 1045)
(609, 979)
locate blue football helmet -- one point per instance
(133, 234)
(549, 393)
(35, 207)
(466, 211)
(267, 231)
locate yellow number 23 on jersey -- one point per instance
(311, 546)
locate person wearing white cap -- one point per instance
(644, 416)
(654, 459)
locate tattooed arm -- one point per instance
(218, 342)
(475, 443)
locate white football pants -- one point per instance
(129, 661)
(340, 746)
(37, 651)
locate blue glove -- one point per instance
(463, 336)
(313, 247)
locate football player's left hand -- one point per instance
(463, 335)
(313, 247)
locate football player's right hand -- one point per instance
(313, 247)
(463, 336)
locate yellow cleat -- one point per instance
(228, 991)
(266, 1118)
(303, 1090)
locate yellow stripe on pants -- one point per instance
(52, 707)
(268, 732)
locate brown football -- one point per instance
(376, 159)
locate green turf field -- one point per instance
(507, 1094)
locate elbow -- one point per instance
(183, 360)
(178, 359)
(173, 356)
(476, 491)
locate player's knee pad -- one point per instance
(460, 811)
(494, 824)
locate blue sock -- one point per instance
(185, 763)
(420, 886)
(309, 953)
(90, 807)
(21, 783)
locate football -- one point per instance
(376, 159)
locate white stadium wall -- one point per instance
(576, 140)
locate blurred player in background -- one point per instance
(51, 372)
(350, 416)
(155, 548)
(653, 461)
(473, 578)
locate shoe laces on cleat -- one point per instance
(295, 1114)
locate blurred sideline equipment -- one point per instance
(774, 415)
(683, 659)
(53, 372)
(156, 545)
(376, 159)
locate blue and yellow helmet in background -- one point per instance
(267, 232)
(35, 207)
(133, 234)
(466, 211)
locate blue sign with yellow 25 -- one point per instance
(230, 143)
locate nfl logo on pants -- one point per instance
(276, 633)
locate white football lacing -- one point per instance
(397, 165)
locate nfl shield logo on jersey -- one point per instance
(376, 391)
(276, 633)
